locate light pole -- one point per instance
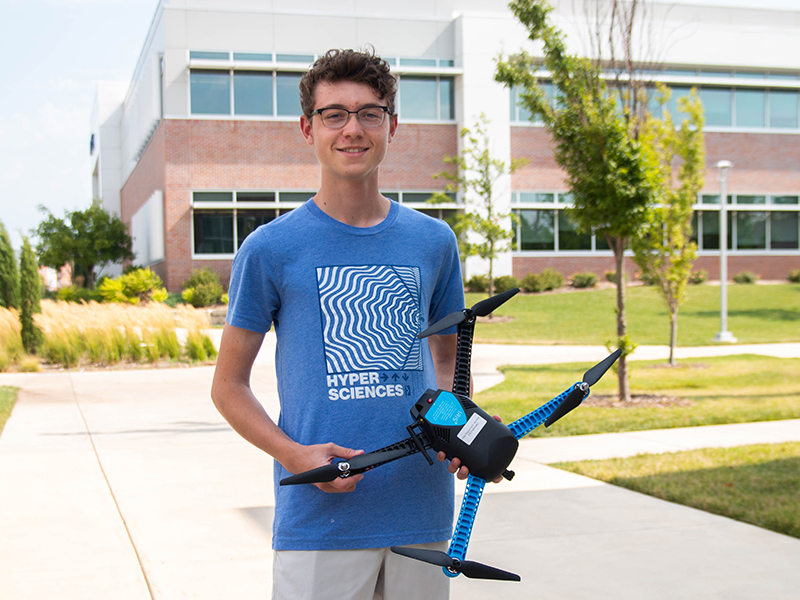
(724, 335)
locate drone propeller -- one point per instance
(581, 390)
(468, 568)
(481, 309)
(345, 468)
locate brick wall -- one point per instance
(569, 265)
(187, 155)
(763, 163)
(768, 267)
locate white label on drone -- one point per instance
(471, 430)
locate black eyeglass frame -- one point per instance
(319, 111)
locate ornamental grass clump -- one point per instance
(10, 340)
(108, 334)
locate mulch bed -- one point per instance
(637, 401)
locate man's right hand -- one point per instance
(319, 455)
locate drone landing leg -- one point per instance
(466, 519)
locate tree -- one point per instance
(9, 276)
(88, 239)
(663, 247)
(30, 298)
(476, 174)
(597, 146)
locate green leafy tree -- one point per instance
(663, 248)
(88, 239)
(476, 174)
(9, 275)
(596, 144)
(30, 298)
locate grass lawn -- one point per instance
(735, 389)
(756, 314)
(8, 396)
(756, 484)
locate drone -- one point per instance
(450, 422)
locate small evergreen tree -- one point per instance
(30, 298)
(9, 276)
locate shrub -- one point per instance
(133, 287)
(698, 277)
(72, 293)
(203, 288)
(551, 279)
(505, 283)
(611, 276)
(478, 284)
(794, 276)
(584, 280)
(542, 282)
(531, 283)
(745, 277)
(647, 278)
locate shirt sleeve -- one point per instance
(252, 296)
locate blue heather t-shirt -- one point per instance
(347, 303)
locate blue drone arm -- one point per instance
(475, 485)
(524, 425)
(466, 519)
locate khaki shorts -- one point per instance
(371, 574)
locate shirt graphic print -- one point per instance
(370, 317)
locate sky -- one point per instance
(54, 52)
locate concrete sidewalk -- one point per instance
(129, 484)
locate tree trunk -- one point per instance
(673, 335)
(618, 244)
(491, 283)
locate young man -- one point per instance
(347, 280)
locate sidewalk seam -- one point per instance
(111, 491)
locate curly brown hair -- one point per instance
(349, 65)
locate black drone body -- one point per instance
(450, 422)
(458, 427)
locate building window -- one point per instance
(536, 230)
(751, 230)
(221, 221)
(710, 228)
(750, 107)
(568, 236)
(211, 92)
(252, 93)
(213, 232)
(426, 98)
(717, 106)
(288, 94)
(782, 109)
(784, 230)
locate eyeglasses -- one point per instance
(337, 118)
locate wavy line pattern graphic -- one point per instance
(370, 318)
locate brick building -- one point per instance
(204, 145)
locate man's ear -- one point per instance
(305, 129)
(392, 127)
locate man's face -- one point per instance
(353, 152)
